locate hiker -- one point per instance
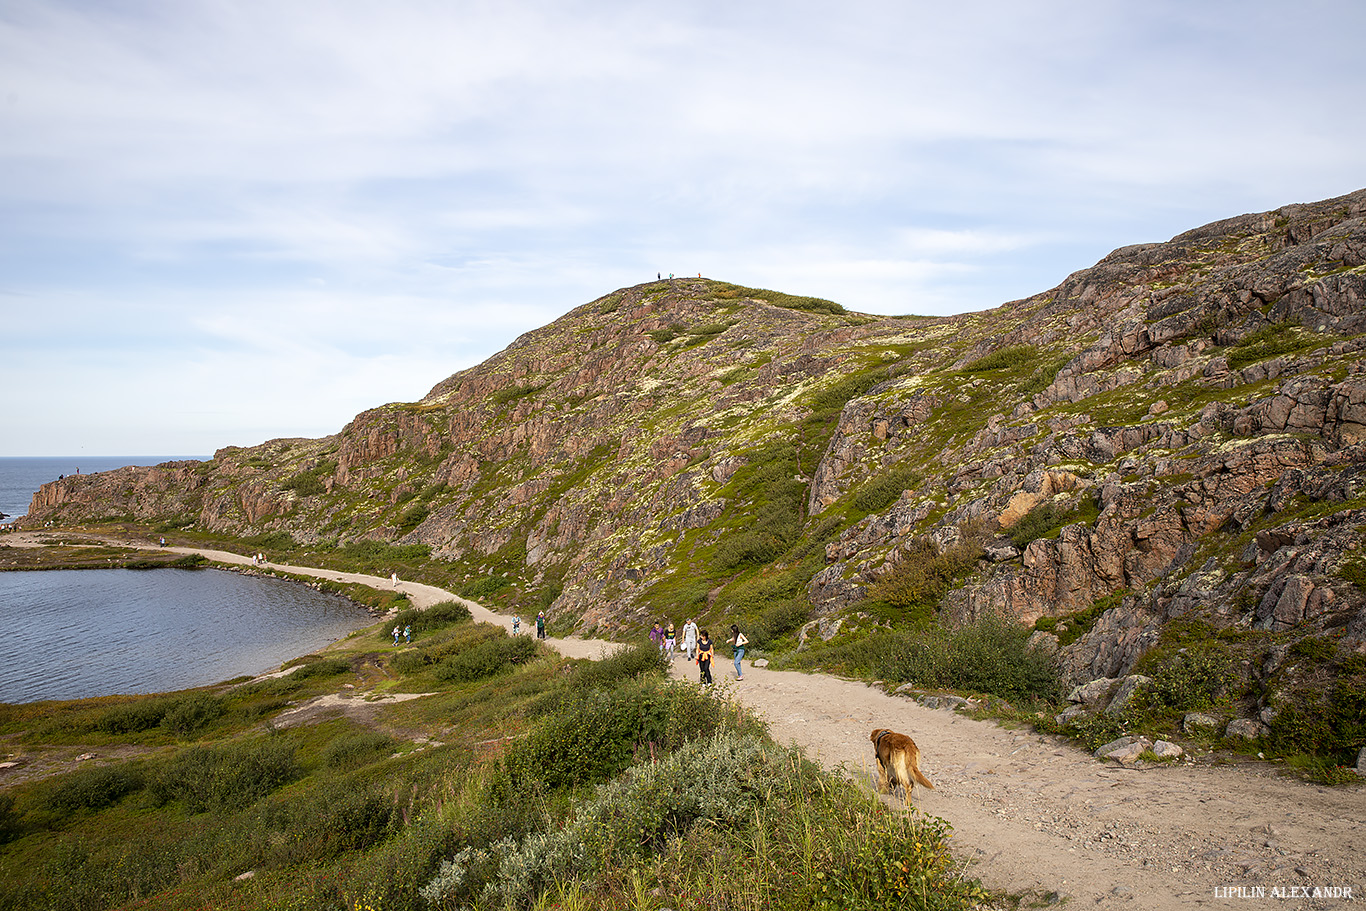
(516, 624)
(738, 640)
(690, 639)
(670, 640)
(408, 634)
(704, 656)
(394, 577)
(396, 633)
(540, 625)
(657, 636)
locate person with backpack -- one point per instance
(540, 625)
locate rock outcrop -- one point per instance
(1177, 431)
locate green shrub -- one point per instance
(132, 717)
(877, 493)
(1330, 726)
(629, 663)
(228, 777)
(921, 577)
(357, 749)
(777, 620)
(1188, 682)
(438, 616)
(10, 827)
(485, 588)
(93, 788)
(1003, 359)
(192, 713)
(1047, 517)
(272, 540)
(322, 667)
(487, 658)
(597, 732)
(1273, 341)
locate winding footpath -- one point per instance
(1034, 814)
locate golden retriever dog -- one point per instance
(898, 762)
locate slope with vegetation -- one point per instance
(507, 778)
(1162, 457)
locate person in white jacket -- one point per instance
(690, 639)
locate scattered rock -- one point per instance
(1071, 712)
(1361, 763)
(1165, 749)
(1094, 694)
(1199, 722)
(1244, 729)
(1124, 750)
(760, 662)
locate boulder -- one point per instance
(1199, 722)
(1124, 694)
(1165, 749)
(1070, 713)
(1244, 729)
(1094, 694)
(1125, 750)
(1361, 763)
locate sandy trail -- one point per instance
(1035, 814)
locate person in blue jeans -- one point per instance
(738, 640)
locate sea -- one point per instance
(72, 634)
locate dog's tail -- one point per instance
(920, 777)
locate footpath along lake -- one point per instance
(71, 634)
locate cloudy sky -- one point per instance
(224, 222)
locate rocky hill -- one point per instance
(1178, 431)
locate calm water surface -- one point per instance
(70, 634)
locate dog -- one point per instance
(898, 762)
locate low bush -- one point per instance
(229, 777)
(93, 788)
(359, 748)
(922, 576)
(629, 663)
(777, 620)
(991, 655)
(881, 491)
(438, 616)
(486, 659)
(1188, 682)
(192, 713)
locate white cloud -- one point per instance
(310, 192)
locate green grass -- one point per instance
(558, 781)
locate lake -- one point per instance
(70, 634)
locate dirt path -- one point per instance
(1037, 815)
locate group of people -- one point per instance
(406, 632)
(540, 624)
(697, 645)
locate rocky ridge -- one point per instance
(1182, 426)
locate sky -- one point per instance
(227, 222)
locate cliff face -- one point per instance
(1180, 428)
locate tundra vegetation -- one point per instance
(520, 780)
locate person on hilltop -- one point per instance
(704, 656)
(738, 640)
